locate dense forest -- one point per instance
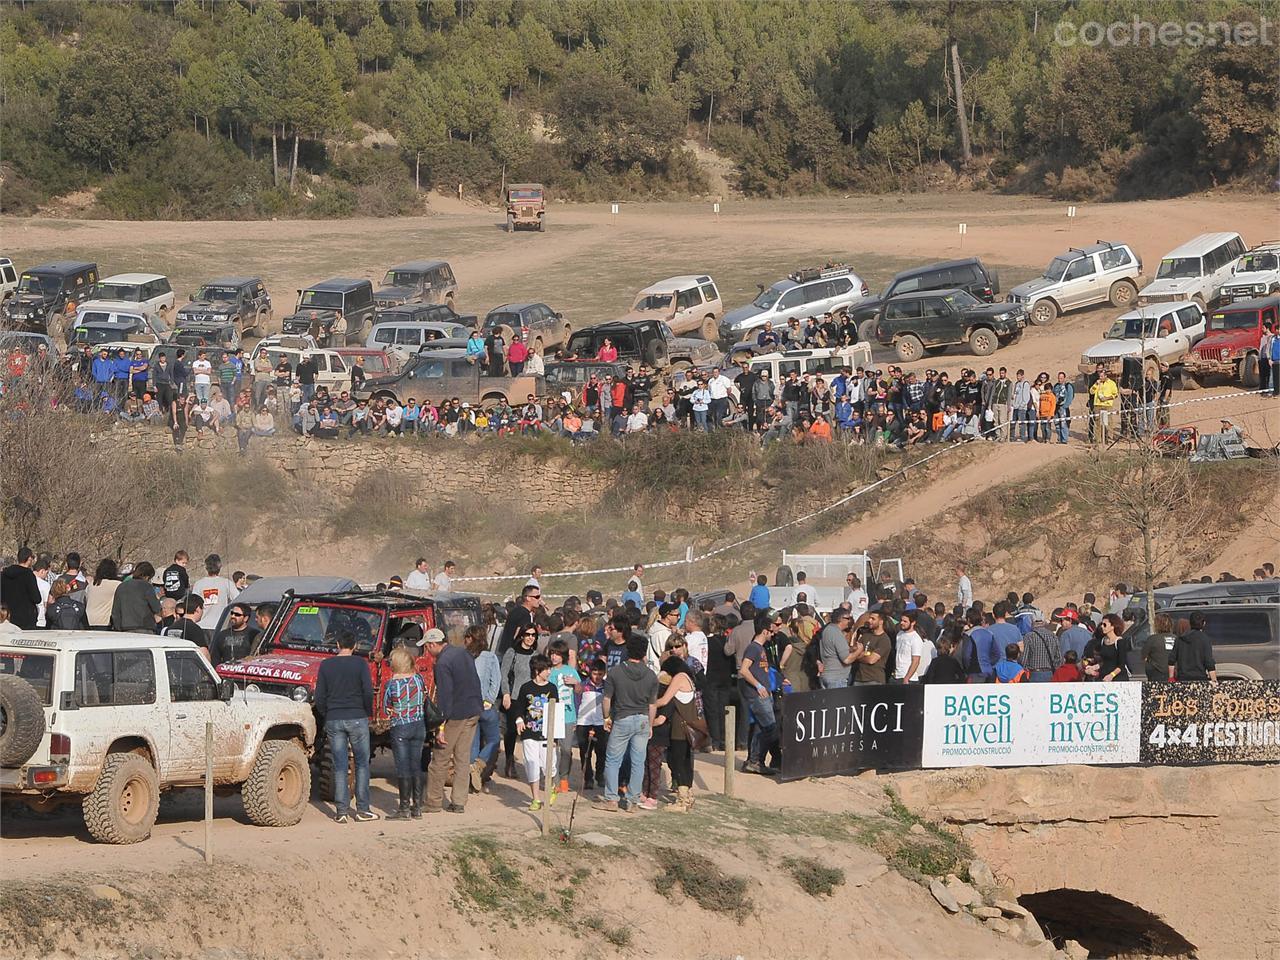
(251, 108)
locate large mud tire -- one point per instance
(279, 785)
(21, 721)
(123, 805)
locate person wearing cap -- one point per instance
(459, 699)
(1073, 636)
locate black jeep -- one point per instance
(419, 281)
(48, 292)
(242, 301)
(928, 322)
(334, 313)
(970, 275)
(641, 341)
(425, 313)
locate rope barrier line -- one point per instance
(848, 498)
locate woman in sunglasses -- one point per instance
(515, 674)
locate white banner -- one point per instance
(1028, 724)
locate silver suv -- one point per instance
(806, 293)
(1080, 278)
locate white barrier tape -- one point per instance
(850, 497)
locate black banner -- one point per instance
(1236, 721)
(826, 732)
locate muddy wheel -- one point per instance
(983, 342)
(323, 779)
(908, 347)
(21, 721)
(1045, 311)
(1123, 293)
(709, 330)
(867, 330)
(511, 223)
(542, 224)
(123, 805)
(1249, 374)
(1189, 381)
(276, 793)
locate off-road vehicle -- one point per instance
(207, 333)
(424, 313)
(1243, 621)
(1232, 341)
(145, 292)
(439, 374)
(334, 313)
(418, 281)
(1197, 270)
(574, 375)
(110, 721)
(242, 301)
(531, 321)
(1103, 272)
(642, 341)
(8, 279)
(333, 371)
(806, 293)
(824, 362)
(1256, 274)
(286, 657)
(970, 275)
(47, 296)
(1163, 333)
(688, 304)
(96, 326)
(526, 207)
(409, 336)
(926, 323)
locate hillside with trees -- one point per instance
(329, 108)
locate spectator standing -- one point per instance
(19, 590)
(135, 608)
(836, 651)
(872, 651)
(484, 750)
(964, 588)
(175, 581)
(419, 577)
(1075, 636)
(566, 679)
(753, 685)
(591, 736)
(101, 593)
(534, 720)
(65, 612)
(630, 692)
(460, 702)
(1112, 650)
(908, 649)
(1193, 653)
(515, 673)
(344, 698)
(233, 641)
(187, 626)
(214, 589)
(1040, 652)
(1156, 649)
(759, 596)
(403, 700)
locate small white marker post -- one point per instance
(613, 212)
(964, 228)
(1071, 211)
(715, 208)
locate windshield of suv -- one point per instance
(1056, 268)
(654, 301)
(227, 294)
(526, 194)
(40, 284)
(1234, 320)
(316, 628)
(962, 299)
(324, 299)
(131, 292)
(1180, 267)
(36, 669)
(106, 333)
(401, 278)
(497, 319)
(767, 298)
(1131, 328)
(1258, 262)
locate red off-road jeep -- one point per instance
(286, 658)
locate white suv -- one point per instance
(1080, 278)
(1164, 333)
(149, 292)
(1256, 274)
(1194, 271)
(688, 304)
(110, 720)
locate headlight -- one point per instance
(251, 688)
(300, 694)
(1226, 353)
(1259, 288)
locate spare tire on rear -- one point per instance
(21, 721)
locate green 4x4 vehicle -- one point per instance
(927, 322)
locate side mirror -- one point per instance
(559, 316)
(226, 690)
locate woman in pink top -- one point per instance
(608, 352)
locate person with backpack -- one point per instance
(1009, 670)
(64, 611)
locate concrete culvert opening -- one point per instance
(1107, 926)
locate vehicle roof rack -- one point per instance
(832, 269)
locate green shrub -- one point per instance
(812, 877)
(702, 881)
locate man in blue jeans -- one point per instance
(753, 684)
(630, 691)
(344, 697)
(484, 748)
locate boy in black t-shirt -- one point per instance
(534, 715)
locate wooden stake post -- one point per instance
(208, 793)
(730, 747)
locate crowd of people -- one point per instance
(631, 683)
(887, 407)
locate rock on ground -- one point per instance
(943, 896)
